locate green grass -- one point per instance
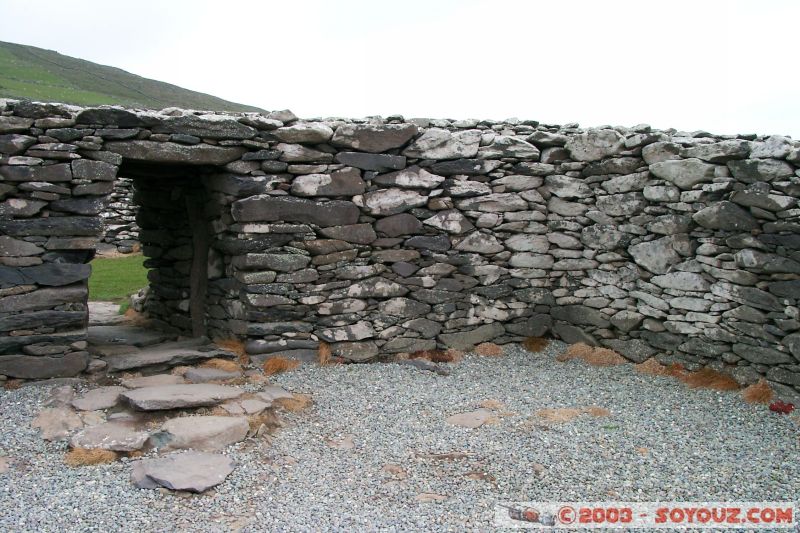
(115, 279)
(27, 72)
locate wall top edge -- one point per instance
(128, 117)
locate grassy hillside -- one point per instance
(27, 72)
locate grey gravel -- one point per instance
(701, 445)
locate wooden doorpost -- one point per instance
(198, 275)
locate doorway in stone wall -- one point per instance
(171, 205)
(171, 209)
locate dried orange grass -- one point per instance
(86, 456)
(234, 346)
(222, 364)
(135, 318)
(267, 419)
(489, 349)
(652, 367)
(296, 403)
(278, 364)
(593, 355)
(438, 356)
(12, 384)
(219, 411)
(535, 344)
(494, 405)
(708, 378)
(324, 353)
(759, 392)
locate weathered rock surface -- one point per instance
(152, 381)
(304, 132)
(411, 177)
(438, 143)
(467, 341)
(346, 182)
(594, 145)
(159, 357)
(685, 173)
(118, 436)
(393, 201)
(725, 216)
(203, 433)
(168, 152)
(57, 423)
(187, 471)
(373, 138)
(262, 208)
(100, 398)
(205, 375)
(178, 396)
(43, 367)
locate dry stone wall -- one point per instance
(390, 235)
(120, 231)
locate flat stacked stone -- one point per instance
(389, 235)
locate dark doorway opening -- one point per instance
(173, 206)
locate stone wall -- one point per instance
(391, 235)
(119, 218)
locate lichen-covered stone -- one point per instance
(438, 143)
(595, 144)
(374, 138)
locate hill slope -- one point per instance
(27, 72)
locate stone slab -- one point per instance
(116, 436)
(189, 471)
(203, 433)
(178, 396)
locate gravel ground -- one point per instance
(662, 441)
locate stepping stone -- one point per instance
(105, 314)
(204, 375)
(60, 396)
(272, 393)
(205, 433)
(189, 471)
(96, 399)
(233, 408)
(162, 357)
(109, 350)
(177, 396)
(131, 335)
(472, 419)
(152, 381)
(57, 423)
(253, 407)
(116, 436)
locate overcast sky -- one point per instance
(725, 66)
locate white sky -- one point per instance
(725, 66)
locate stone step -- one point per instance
(118, 436)
(178, 396)
(204, 433)
(127, 335)
(189, 471)
(105, 314)
(165, 356)
(152, 381)
(206, 375)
